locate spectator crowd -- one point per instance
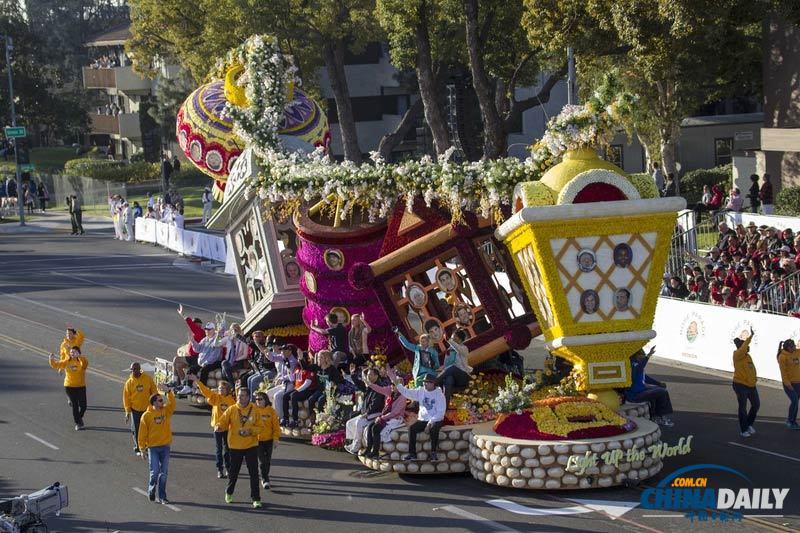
(748, 268)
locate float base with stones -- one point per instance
(543, 442)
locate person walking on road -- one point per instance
(208, 202)
(744, 385)
(269, 436)
(72, 338)
(135, 398)
(74, 382)
(155, 437)
(219, 402)
(789, 363)
(243, 424)
(76, 215)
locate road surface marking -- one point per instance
(144, 493)
(86, 339)
(103, 267)
(46, 355)
(145, 294)
(172, 344)
(452, 509)
(765, 451)
(42, 441)
(75, 258)
(613, 509)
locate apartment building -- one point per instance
(118, 117)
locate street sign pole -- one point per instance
(20, 197)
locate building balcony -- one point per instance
(124, 125)
(120, 78)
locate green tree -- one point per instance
(675, 55)
(421, 37)
(316, 32)
(484, 37)
(44, 103)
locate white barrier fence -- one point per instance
(183, 241)
(702, 335)
(774, 221)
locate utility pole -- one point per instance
(571, 87)
(20, 197)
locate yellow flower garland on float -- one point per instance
(552, 415)
(287, 331)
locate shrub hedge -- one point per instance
(106, 169)
(692, 182)
(788, 202)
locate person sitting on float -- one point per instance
(392, 417)
(371, 406)
(646, 389)
(305, 385)
(455, 372)
(285, 364)
(432, 407)
(426, 357)
(328, 375)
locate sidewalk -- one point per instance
(55, 221)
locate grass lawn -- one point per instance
(45, 159)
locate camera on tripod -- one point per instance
(24, 513)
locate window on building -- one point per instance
(723, 150)
(614, 155)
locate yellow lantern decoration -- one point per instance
(593, 265)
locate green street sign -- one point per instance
(29, 167)
(15, 131)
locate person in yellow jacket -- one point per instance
(155, 437)
(73, 337)
(243, 424)
(74, 367)
(789, 362)
(744, 385)
(219, 402)
(135, 398)
(269, 436)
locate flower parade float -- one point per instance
(414, 245)
(590, 245)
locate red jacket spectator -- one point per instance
(197, 332)
(716, 197)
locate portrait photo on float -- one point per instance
(622, 299)
(446, 279)
(416, 295)
(334, 259)
(463, 315)
(292, 271)
(590, 301)
(586, 260)
(623, 255)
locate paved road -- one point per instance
(124, 297)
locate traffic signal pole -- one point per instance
(20, 197)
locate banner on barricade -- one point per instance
(702, 335)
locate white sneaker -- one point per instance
(185, 390)
(666, 422)
(750, 430)
(744, 434)
(351, 449)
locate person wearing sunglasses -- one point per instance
(155, 437)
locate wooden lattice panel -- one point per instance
(606, 278)
(534, 279)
